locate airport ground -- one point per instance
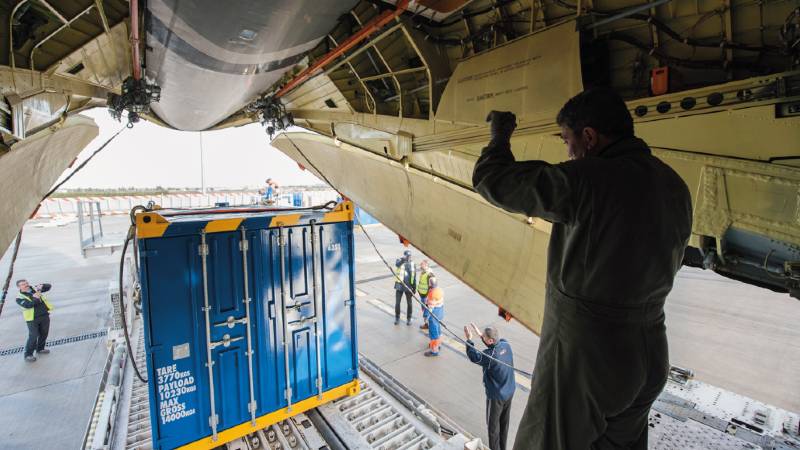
(732, 335)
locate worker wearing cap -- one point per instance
(405, 284)
(621, 220)
(435, 303)
(426, 277)
(497, 361)
(36, 312)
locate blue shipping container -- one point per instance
(249, 318)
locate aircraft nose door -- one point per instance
(300, 311)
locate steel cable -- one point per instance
(389, 267)
(45, 197)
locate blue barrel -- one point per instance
(241, 300)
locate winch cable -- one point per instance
(415, 296)
(82, 165)
(123, 318)
(10, 270)
(18, 241)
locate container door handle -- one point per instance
(225, 341)
(231, 321)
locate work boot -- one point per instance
(30, 358)
(43, 351)
(431, 354)
(424, 326)
(396, 321)
(408, 322)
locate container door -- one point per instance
(228, 326)
(340, 352)
(299, 299)
(170, 274)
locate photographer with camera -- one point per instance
(36, 311)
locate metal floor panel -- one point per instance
(138, 436)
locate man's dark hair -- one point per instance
(599, 108)
(20, 281)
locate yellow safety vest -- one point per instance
(400, 274)
(27, 313)
(422, 285)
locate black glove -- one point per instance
(503, 124)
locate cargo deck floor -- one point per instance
(732, 335)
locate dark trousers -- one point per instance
(598, 371)
(497, 414)
(398, 295)
(38, 328)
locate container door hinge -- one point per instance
(349, 302)
(202, 249)
(252, 406)
(288, 393)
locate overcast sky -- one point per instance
(149, 156)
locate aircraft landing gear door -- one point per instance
(300, 311)
(227, 315)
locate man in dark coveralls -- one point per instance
(621, 221)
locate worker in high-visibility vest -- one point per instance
(423, 287)
(405, 283)
(36, 312)
(435, 302)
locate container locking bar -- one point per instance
(213, 420)
(317, 303)
(284, 301)
(251, 407)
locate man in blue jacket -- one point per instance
(498, 380)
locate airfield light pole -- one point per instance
(202, 167)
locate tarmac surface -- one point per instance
(735, 336)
